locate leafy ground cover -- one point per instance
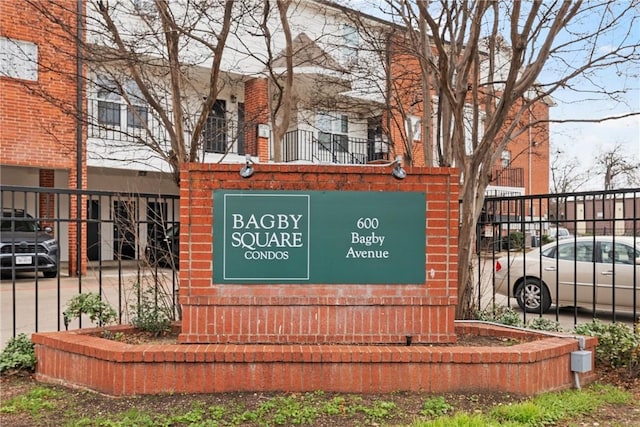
(614, 400)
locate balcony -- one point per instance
(116, 128)
(322, 147)
(507, 177)
(130, 134)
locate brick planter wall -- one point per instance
(317, 313)
(305, 337)
(540, 363)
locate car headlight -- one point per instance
(50, 243)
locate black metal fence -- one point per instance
(561, 255)
(108, 243)
(99, 242)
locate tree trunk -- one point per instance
(472, 197)
(466, 243)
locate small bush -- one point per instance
(500, 314)
(19, 354)
(514, 241)
(435, 407)
(618, 345)
(91, 305)
(543, 324)
(150, 313)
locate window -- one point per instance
(145, 8)
(111, 103)
(584, 252)
(566, 252)
(136, 116)
(137, 111)
(350, 41)
(333, 123)
(18, 59)
(215, 129)
(108, 107)
(413, 128)
(620, 253)
(506, 158)
(333, 132)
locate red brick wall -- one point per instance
(531, 148)
(317, 313)
(406, 89)
(38, 117)
(46, 209)
(36, 132)
(256, 111)
(539, 364)
(406, 100)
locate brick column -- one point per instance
(256, 112)
(46, 208)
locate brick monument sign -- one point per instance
(318, 254)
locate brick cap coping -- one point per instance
(537, 346)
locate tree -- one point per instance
(491, 63)
(616, 168)
(281, 83)
(483, 69)
(150, 43)
(566, 175)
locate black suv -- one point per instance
(24, 246)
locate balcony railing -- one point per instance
(300, 145)
(507, 177)
(118, 124)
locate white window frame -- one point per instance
(505, 158)
(108, 103)
(350, 43)
(134, 116)
(138, 111)
(413, 128)
(335, 127)
(18, 59)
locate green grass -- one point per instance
(36, 402)
(544, 410)
(306, 408)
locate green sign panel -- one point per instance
(318, 237)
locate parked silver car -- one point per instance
(574, 272)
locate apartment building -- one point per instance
(73, 115)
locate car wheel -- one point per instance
(50, 274)
(532, 295)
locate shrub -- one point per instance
(151, 314)
(500, 314)
(515, 240)
(508, 316)
(543, 324)
(435, 407)
(618, 345)
(19, 354)
(91, 305)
